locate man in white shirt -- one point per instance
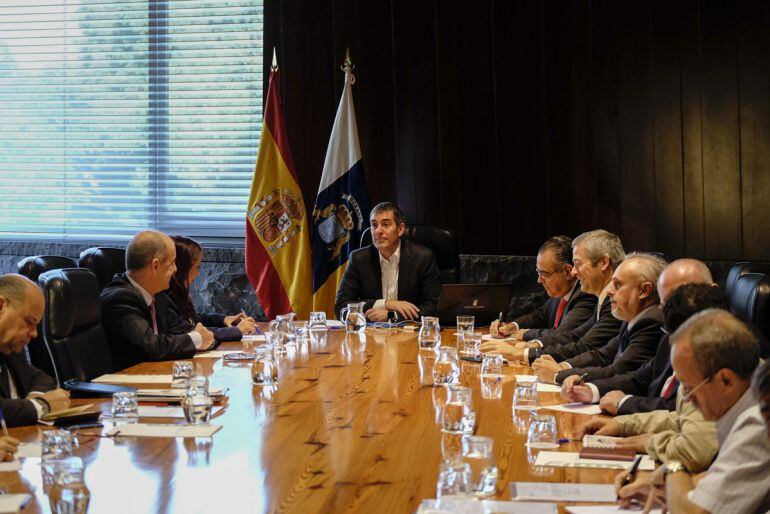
(394, 278)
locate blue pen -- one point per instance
(2, 422)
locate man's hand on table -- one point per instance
(377, 315)
(404, 309)
(507, 350)
(546, 367)
(57, 399)
(207, 336)
(600, 425)
(609, 402)
(506, 330)
(576, 393)
(8, 447)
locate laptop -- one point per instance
(484, 301)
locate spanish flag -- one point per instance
(277, 242)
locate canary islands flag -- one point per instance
(341, 211)
(277, 242)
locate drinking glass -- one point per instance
(302, 331)
(492, 376)
(68, 493)
(542, 431)
(181, 371)
(425, 362)
(446, 369)
(465, 324)
(125, 408)
(430, 332)
(477, 454)
(197, 401)
(264, 370)
(353, 317)
(283, 324)
(451, 446)
(317, 321)
(459, 416)
(453, 479)
(274, 341)
(471, 342)
(56, 444)
(525, 395)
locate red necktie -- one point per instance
(559, 312)
(672, 382)
(154, 319)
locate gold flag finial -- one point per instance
(274, 67)
(347, 64)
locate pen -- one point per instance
(499, 325)
(2, 421)
(632, 473)
(580, 379)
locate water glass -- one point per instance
(430, 332)
(425, 362)
(317, 321)
(302, 331)
(197, 401)
(68, 493)
(274, 341)
(264, 370)
(459, 416)
(492, 376)
(477, 454)
(465, 324)
(125, 408)
(56, 444)
(542, 431)
(453, 479)
(471, 342)
(446, 370)
(181, 371)
(451, 446)
(525, 395)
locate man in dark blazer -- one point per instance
(634, 300)
(567, 307)
(394, 278)
(136, 316)
(685, 287)
(26, 393)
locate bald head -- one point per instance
(146, 246)
(15, 288)
(21, 309)
(681, 272)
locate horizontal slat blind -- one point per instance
(120, 116)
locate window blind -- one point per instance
(123, 115)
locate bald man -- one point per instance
(139, 324)
(26, 393)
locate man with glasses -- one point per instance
(567, 307)
(595, 256)
(714, 355)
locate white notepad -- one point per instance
(13, 465)
(172, 411)
(473, 506)
(573, 460)
(488, 337)
(158, 430)
(563, 492)
(119, 378)
(30, 450)
(13, 502)
(215, 354)
(604, 509)
(576, 408)
(253, 338)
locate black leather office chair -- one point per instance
(442, 241)
(32, 267)
(73, 332)
(104, 262)
(740, 269)
(750, 301)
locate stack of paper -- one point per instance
(563, 492)
(575, 408)
(573, 460)
(118, 378)
(473, 506)
(253, 338)
(144, 430)
(151, 411)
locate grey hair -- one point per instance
(598, 243)
(650, 266)
(760, 383)
(720, 340)
(146, 246)
(14, 287)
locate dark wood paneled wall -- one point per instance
(510, 121)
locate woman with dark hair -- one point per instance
(188, 260)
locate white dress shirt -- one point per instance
(389, 269)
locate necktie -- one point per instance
(154, 319)
(671, 384)
(623, 341)
(559, 312)
(5, 379)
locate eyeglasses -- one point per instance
(687, 393)
(546, 274)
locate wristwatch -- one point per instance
(672, 466)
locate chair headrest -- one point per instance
(104, 262)
(32, 267)
(740, 269)
(71, 301)
(751, 300)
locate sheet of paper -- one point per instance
(151, 411)
(13, 465)
(66, 412)
(563, 492)
(333, 323)
(472, 506)
(13, 502)
(605, 509)
(573, 460)
(488, 337)
(526, 378)
(158, 430)
(252, 338)
(548, 388)
(575, 408)
(600, 441)
(215, 354)
(118, 378)
(30, 450)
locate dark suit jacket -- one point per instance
(629, 350)
(579, 308)
(562, 345)
(128, 324)
(418, 279)
(214, 322)
(26, 378)
(645, 384)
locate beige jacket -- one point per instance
(681, 435)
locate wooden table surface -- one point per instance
(349, 428)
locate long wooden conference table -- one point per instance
(350, 427)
